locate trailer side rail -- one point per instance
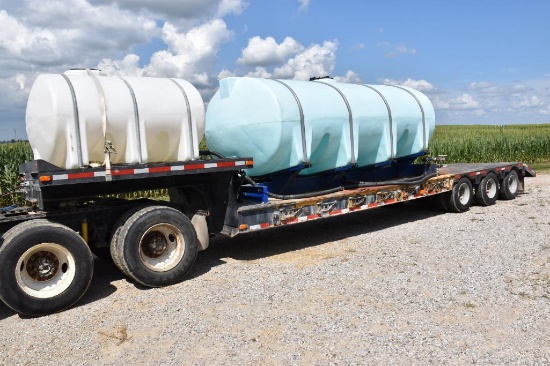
(50, 175)
(279, 213)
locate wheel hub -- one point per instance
(154, 245)
(463, 194)
(42, 266)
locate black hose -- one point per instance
(406, 182)
(294, 196)
(304, 195)
(209, 152)
(403, 182)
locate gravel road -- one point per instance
(394, 285)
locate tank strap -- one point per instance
(353, 158)
(103, 109)
(424, 140)
(136, 117)
(76, 121)
(189, 119)
(389, 117)
(302, 120)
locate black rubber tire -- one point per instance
(509, 186)
(487, 190)
(33, 246)
(441, 201)
(461, 196)
(116, 247)
(156, 246)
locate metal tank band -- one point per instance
(425, 143)
(76, 121)
(389, 116)
(302, 121)
(136, 117)
(352, 145)
(103, 110)
(189, 119)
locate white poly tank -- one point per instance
(327, 125)
(147, 119)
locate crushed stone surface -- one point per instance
(393, 285)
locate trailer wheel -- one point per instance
(156, 246)
(46, 267)
(509, 186)
(116, 247)
(461, 196)
(487, 190)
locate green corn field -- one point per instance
(462, 144)
(11, 156)
(483, 143)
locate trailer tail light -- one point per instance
(249, 163)
(45, 178)
(243, 227)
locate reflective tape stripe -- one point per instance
(149, 170)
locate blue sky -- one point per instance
(479, 61)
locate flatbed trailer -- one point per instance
(46, 250)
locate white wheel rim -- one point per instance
(464, 194)
(512, 184)
(45, 270)
(161, 247)
(491, 188)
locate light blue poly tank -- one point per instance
(323, 124)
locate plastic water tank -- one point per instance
(70, 115)
(325, 124)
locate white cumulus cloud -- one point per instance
(128, 66)
(264, 57)
(532, 101)
(420, 85)
(461, 102)
(350, 77)
(317, 60)
(267, 52)
(190, 55)
(230, 7)
(167, 9)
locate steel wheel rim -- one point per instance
(491, 188)
(45, 270)
(464, 194)
(161, 247)
(512, 184)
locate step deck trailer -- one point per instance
(46, 262)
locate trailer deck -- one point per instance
(284, 212)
